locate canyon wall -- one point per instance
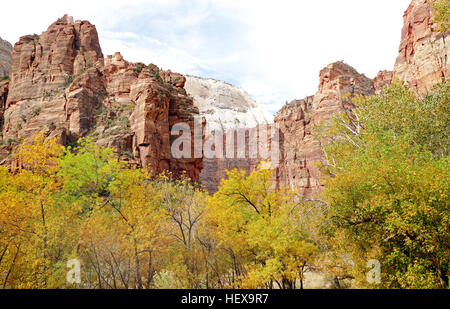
(423, 53)
(61, 83)
(5, 58)
(300, 150)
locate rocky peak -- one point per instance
(338, 83)
(55, 81)
(382, 80)
(341, 77)
(61, 83)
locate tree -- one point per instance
(185, 205)
(388, 193)
(260, 231)
(34, 232)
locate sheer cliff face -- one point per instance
(225, 107)
(299, 149)
(54, 85)
(61, 83)
(5, 58)
(423, 52)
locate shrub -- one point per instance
(128, 154)
(68, 80)
(138, 68)
(36, 111)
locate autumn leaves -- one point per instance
(386, 199)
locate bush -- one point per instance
(68, 80)
(138, 69)
(36, 111)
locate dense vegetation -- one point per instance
(386, 199)
(388, 190)
(441, 14)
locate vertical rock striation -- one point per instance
(424, 51)
(54, 84)
(300, 150)
(61, 83)
(5, 58)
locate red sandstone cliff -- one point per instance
(299, 148)
(5, 58)
(61, 83)
(424, 51)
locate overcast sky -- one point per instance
(273, 49)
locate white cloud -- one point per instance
(272, 48)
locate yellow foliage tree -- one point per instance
(260, 232)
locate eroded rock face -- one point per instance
(423, 52)
(300, 150)
(5, 57)
(54, 85)
(61, 83)
(242, 149)
(157, 110)
(226, 108)
(382, 80)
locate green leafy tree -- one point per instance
(388, 193)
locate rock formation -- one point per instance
(227, 109)
(424, 51)
(422, 63)
(55, 84)
(5, 58)
(61, 83)
(382, 80)
(300, 150)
